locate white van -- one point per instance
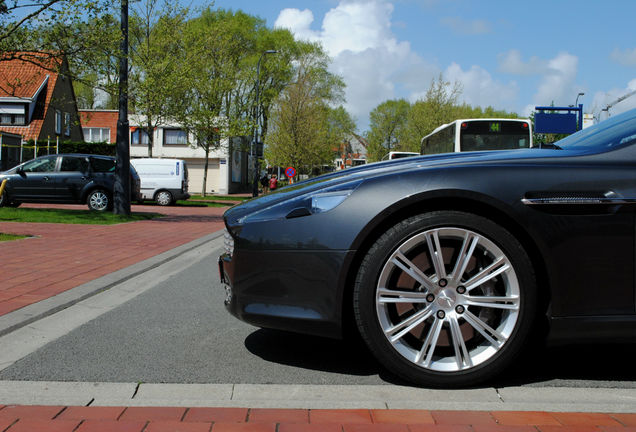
(162, 180)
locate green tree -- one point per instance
(387, 122)
(304, 129)
(156, 73)
(438, 107)
(211, 53)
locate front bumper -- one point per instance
(286, 290)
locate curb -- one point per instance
(31, 313)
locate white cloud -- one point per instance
(467, 27)
(365, 52)
(558, 81)
(480, 89)
(557, 77)
(512, 63)
(299, 22)
(626, 57)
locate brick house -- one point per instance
(37, 101)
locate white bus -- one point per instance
(479, 134)
(398, 155)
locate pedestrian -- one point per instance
(273, 182)
(265, 182)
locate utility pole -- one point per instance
(121, 199)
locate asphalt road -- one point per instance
(179, 332)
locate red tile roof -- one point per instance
(21, 75)
(99, 118)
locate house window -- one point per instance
(139, 137)
(58, 122)
(12, 119)
(96, 134)
(67, 124)
(175, 137)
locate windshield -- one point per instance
(612, 133)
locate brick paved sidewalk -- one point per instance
(63, 256)
(161, 419)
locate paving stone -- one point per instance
(111, 426)
(263, 415)
(340, 416)
(463, 417)
(402, 416)
(153, 413)
(174, 426)
(221, 415)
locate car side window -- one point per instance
(103, 165)
(72, 163)
(46, 164)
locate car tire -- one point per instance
(164, 198)
(445, 299)
(99, 200)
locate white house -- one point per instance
(227, 165)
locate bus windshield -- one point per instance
(479, 135)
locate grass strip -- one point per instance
(9, 237)
(69, 216)
(219, 198)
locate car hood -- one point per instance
(378, 169)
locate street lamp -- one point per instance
(257, 121)
(577, 99)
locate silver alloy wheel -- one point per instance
(163, 198)
(447, 299)
(98, 200)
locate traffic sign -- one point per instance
(290, 172)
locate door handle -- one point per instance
(46, 178)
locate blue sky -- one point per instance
(508, 54)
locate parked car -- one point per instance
(449, 265)
(65, 178)
(162, 180)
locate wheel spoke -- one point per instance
(465, 254)
(400, 260)
(393, 296)
(462, 357)
(499, 266)
(434, 248)
(408, 324)
(511, 302)
(493, 336)
(430, 343)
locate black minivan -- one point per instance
(65, 178)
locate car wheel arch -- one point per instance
(418, 205)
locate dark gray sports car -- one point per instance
(449, 265)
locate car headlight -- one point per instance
(228, 242)
(311, 203)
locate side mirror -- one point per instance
(20, 172)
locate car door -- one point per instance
(72, 177)
(35, 180)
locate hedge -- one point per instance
(107, 149)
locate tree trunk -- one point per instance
(205, 168)
(151, 140)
